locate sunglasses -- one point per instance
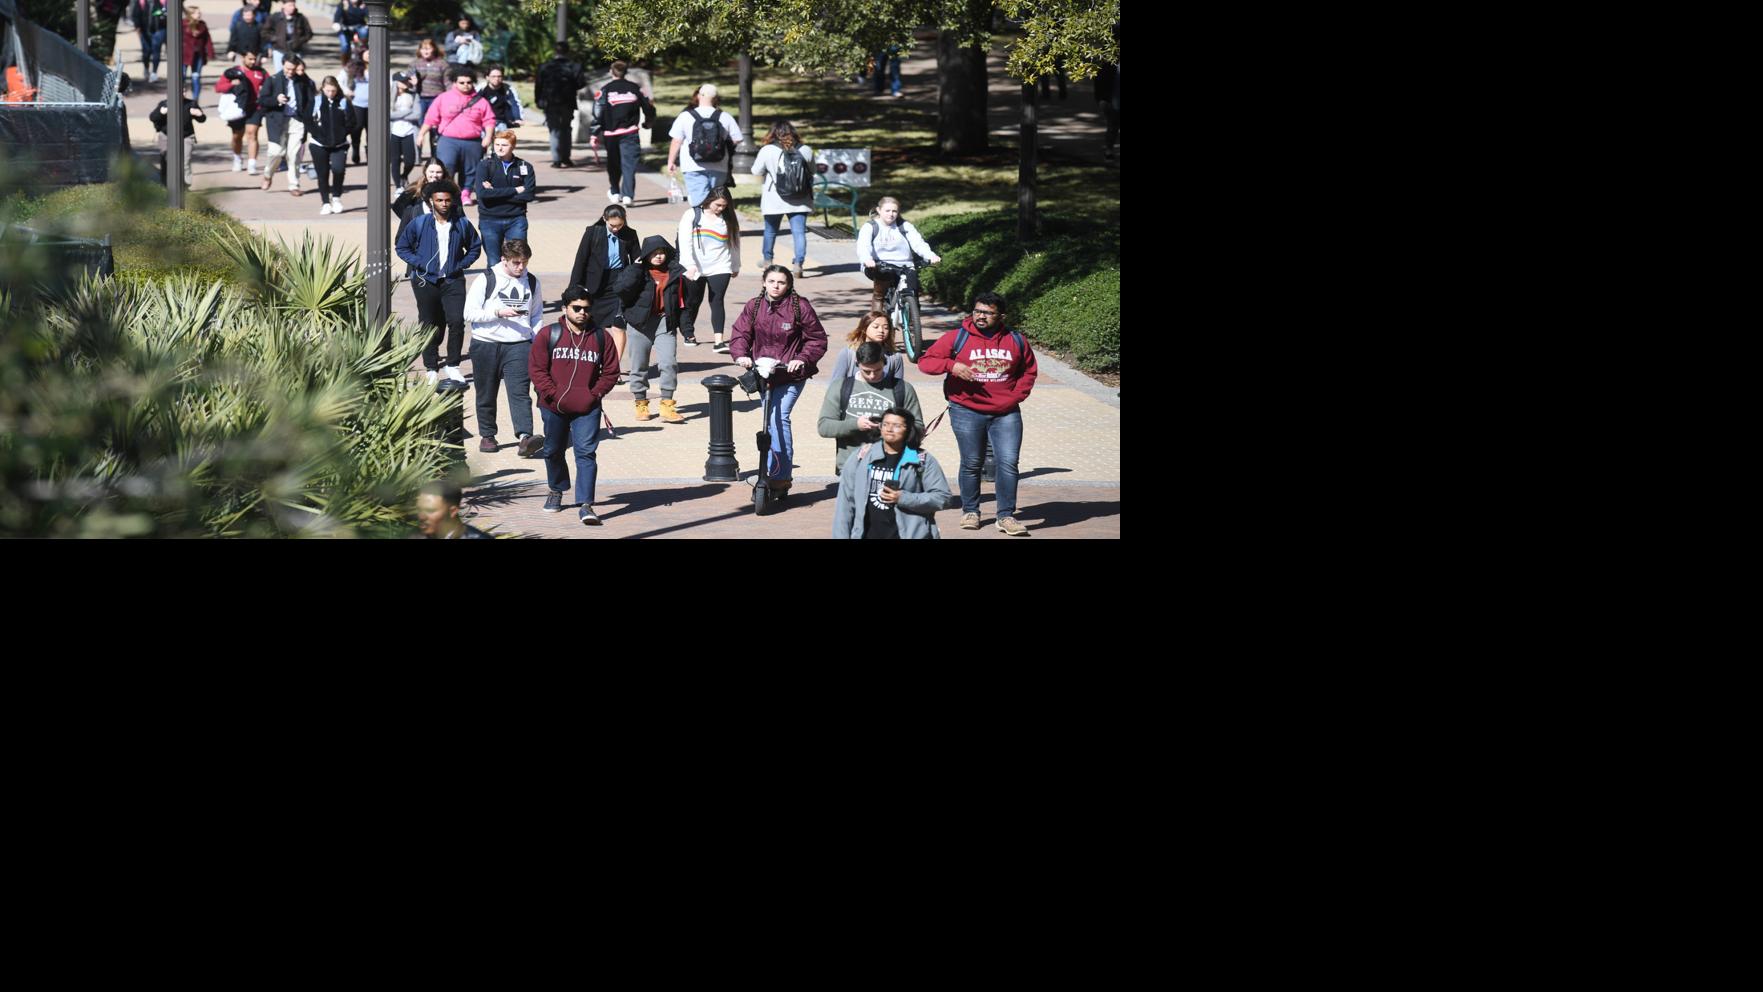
(576, 309)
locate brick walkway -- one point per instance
(650, 475)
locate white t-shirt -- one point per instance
(443, 241)
(682, 129)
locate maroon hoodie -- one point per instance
(1002, 379)
(772, 330)
(572, 371)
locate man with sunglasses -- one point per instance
(573, 365)
(991, 370)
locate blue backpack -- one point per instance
(962, 336)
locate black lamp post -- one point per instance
(174, 104)
(379, 197)
(81, 5)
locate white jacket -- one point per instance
(508, 291)
(891, 243)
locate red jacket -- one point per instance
(197, 43)
(767, 330)
(256, 77)
(1002, 379)
(572, 372)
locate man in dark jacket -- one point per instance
(558, 82)
(247, 33)
(573, 365)
(440, 246)
(192, 114)
(287, 32)
(623, 107)
(283, 100)
(506, 184)
(607, 246)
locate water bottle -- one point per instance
(674, 193)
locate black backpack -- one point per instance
(792, 174)
(532, 285)
(850, 383)
(708, 139)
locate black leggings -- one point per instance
(718, 286)
(357, 124)
(330, 181)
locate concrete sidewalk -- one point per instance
(650, 475)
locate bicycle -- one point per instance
(901, 304)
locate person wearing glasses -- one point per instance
(991, 370)
(573, 364)
(892, 491)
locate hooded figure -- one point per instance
(646, 293)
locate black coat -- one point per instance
(300, 92)
(636, 290)
(327, 123)
(590, 271)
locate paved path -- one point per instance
(650, 476)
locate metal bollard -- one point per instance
(722, 466)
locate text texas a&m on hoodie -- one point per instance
(572, 370)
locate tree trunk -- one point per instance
(961, 97)
(1025, 176)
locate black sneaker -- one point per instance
(554, 503)
(688, 339)
(589, 518)
(721, 348)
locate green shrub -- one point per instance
(1042, 279)
(152, 241)
(1081, 319)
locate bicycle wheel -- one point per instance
(910, 329)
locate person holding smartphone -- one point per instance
(893, 490)
(505, 309)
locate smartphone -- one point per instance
(893, 484)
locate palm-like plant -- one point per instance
(191, 408)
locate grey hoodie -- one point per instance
(926, 490)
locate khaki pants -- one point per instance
(294, 147)
(164, 143)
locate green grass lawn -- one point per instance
(901, 136)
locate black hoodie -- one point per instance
(636, 286)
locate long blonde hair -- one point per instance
(860, 335)
(875, 211)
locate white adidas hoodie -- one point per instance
(508, 291)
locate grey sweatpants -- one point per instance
(652, 337)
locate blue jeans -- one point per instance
(891, 60)
(195, 82)
(973, 430)
(496, 230)
(621, 163)
(461, 156)
(583, 431)
(798, 233)
(155, 43)
(494, 363)
(779, 402)
(699, 185)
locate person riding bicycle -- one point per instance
(889, 238)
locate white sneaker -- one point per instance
(152, 77)
(625, 200)
(251, 170)
(611, 197)
(452, 372)
(324, 208)
(432, 377)
(238, 164)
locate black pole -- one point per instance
(722, 466)
(81, 5)
(379, 158)
(562, 20)
(174, 104)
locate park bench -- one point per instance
(824, 199)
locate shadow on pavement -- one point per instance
(1040, 471)
(636, 502)
(1063, 514)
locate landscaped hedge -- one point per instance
(147, 240)
(1063, 288)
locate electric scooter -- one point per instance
(758, 380)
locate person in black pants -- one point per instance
(440, 246)
(327, 131)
